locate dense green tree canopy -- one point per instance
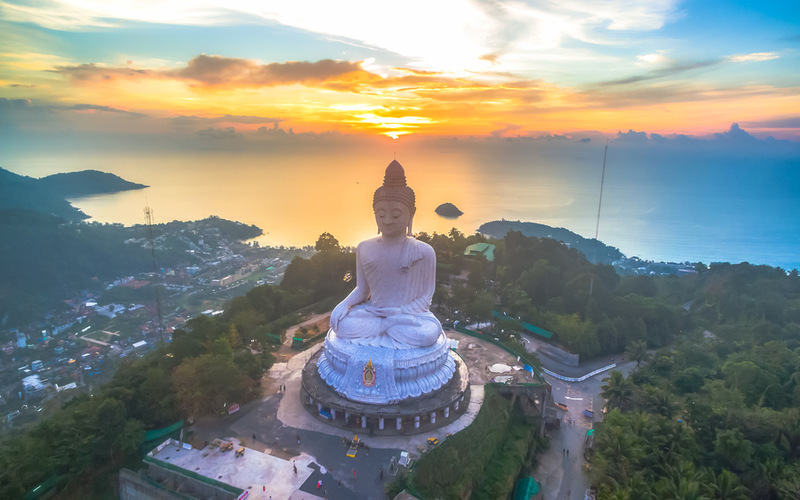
(723, 396)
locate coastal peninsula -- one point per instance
(48, 195)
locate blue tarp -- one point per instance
(526, 488)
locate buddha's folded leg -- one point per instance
(359, 324)
(413, 330)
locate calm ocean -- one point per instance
(682, 207)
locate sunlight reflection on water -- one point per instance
(294, 198)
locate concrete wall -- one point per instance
(557, 354)
(163, 484)
(193, 487)
(133, 486)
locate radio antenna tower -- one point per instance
(148, 219)
(597, 226)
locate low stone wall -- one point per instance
(582, 378)
(557, 354)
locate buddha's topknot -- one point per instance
(394, 188)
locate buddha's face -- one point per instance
(393, 218)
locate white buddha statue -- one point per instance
(395, 277)
(384, 344)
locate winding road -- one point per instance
(562, 475)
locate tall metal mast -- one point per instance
(597, 226)
(148, 218)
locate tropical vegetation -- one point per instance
(712, 409)
(716, 414)
(484, 460)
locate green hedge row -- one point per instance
(483, 460)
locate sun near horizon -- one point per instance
(94, 70)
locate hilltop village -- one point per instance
(76, 346)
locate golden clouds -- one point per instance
(354, 96)
(326, 93)
(32, 61)
(93, 72)
(223, 72)
(215, 70)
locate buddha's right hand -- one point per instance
(338, 314)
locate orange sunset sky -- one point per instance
(450, 67)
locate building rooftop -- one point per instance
(485, 249)
(253, 470)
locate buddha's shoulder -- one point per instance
(420, 248)
(424, 247)
(366, 244)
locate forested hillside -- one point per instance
(45, 260)
(47, 195)
(594, 249)
(25, 193)
(716, 414)
(209, 363)
(589, 308)
(85, 183)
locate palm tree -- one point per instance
(675, 442)
(617, 391)
(655, 400)
(620, 494)
(789, 484)
(683, 489)
(789, 436)
(637, 351)
(727, 487)
(619, 452)
(639, 487)
(768, 474)
(683, 482)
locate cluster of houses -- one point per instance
(70, 349)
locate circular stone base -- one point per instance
(416, 415)
(396, 374)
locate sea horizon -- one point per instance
(659, 205)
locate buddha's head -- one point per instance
(394, 203)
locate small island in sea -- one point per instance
(449, 211)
